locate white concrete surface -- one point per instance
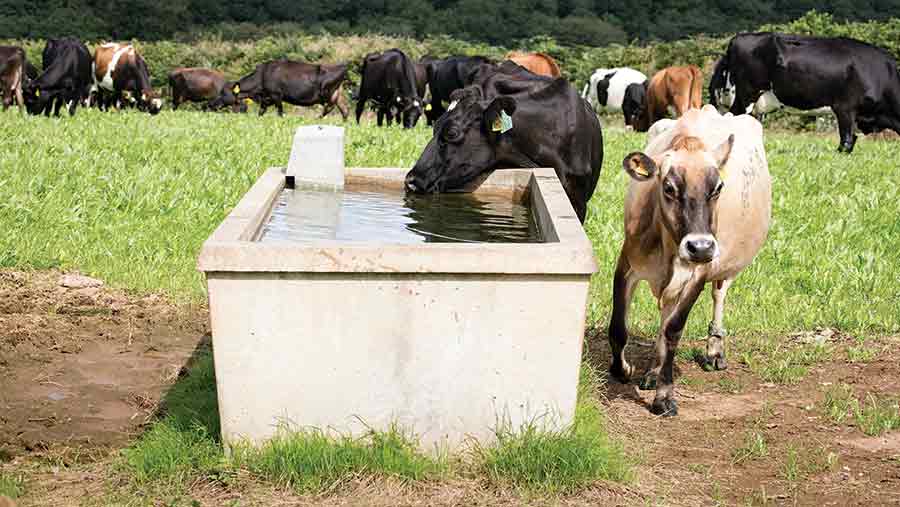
(317, 156)
(446, 340)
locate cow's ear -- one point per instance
(723, 151)
(639, 166)
(497, 117)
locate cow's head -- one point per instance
(688, 180)
(148, 101)
(465, 145)
(228, 97)
(409, 109)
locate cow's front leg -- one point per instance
(846, 123)
(623, 290)
(664, 403)
(715, 342)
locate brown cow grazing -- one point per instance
(192, 84)
(538, 63)
(12, 72)
(120, 73)
(672, 90)
(697, 211)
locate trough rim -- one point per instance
(233, 246)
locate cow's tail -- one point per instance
(696, 88)
(17, 82)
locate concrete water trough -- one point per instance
(447, 341)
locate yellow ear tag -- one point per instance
(638, 168)
(37, 93)
(428, 107)
(236, 89)
(248, 100)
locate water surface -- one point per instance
(391, 216)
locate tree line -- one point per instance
(570, 22)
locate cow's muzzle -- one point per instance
(698, 248)
(418, 185)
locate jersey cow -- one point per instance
(858, 81)
(606, 88)
(511, 118)
(389, 80)
(538, 63)
(66, 78)
(190, 84)
(12, 73)
(697, 211)
(446, 76)
(120, 73)
(672, 90)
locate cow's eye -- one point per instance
(452, 134)
(716, 191)
(669, 189)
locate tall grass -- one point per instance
(310, 461)
(535, 458)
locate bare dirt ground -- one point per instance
(82, 370)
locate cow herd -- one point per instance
(699, 203)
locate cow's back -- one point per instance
(745, 204)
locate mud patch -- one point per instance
(84, 366)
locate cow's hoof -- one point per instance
(620, 374)
(713, 363)
(666, 407)
(648, 382)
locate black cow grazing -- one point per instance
(446, 76)
(66, 78)
(12, 75)
(633, 101)
(190, 84)
(121, 75)
(508, 118)
(297, 83)
(857, 80)
(389, 80)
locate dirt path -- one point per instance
(82, 369)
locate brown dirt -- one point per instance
(82, 370)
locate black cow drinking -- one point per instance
(512, 118)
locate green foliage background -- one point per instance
(592, 22)
(237, 49)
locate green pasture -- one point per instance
(130, 198)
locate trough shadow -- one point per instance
(192, 400)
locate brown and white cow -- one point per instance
(121, 73)
(12, 72)
(538, 63)
(672, 90)
(697, 211)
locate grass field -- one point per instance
(130, 198)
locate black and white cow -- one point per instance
(858, 81)
(66, 78)
(606, 88)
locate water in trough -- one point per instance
(392, 216)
